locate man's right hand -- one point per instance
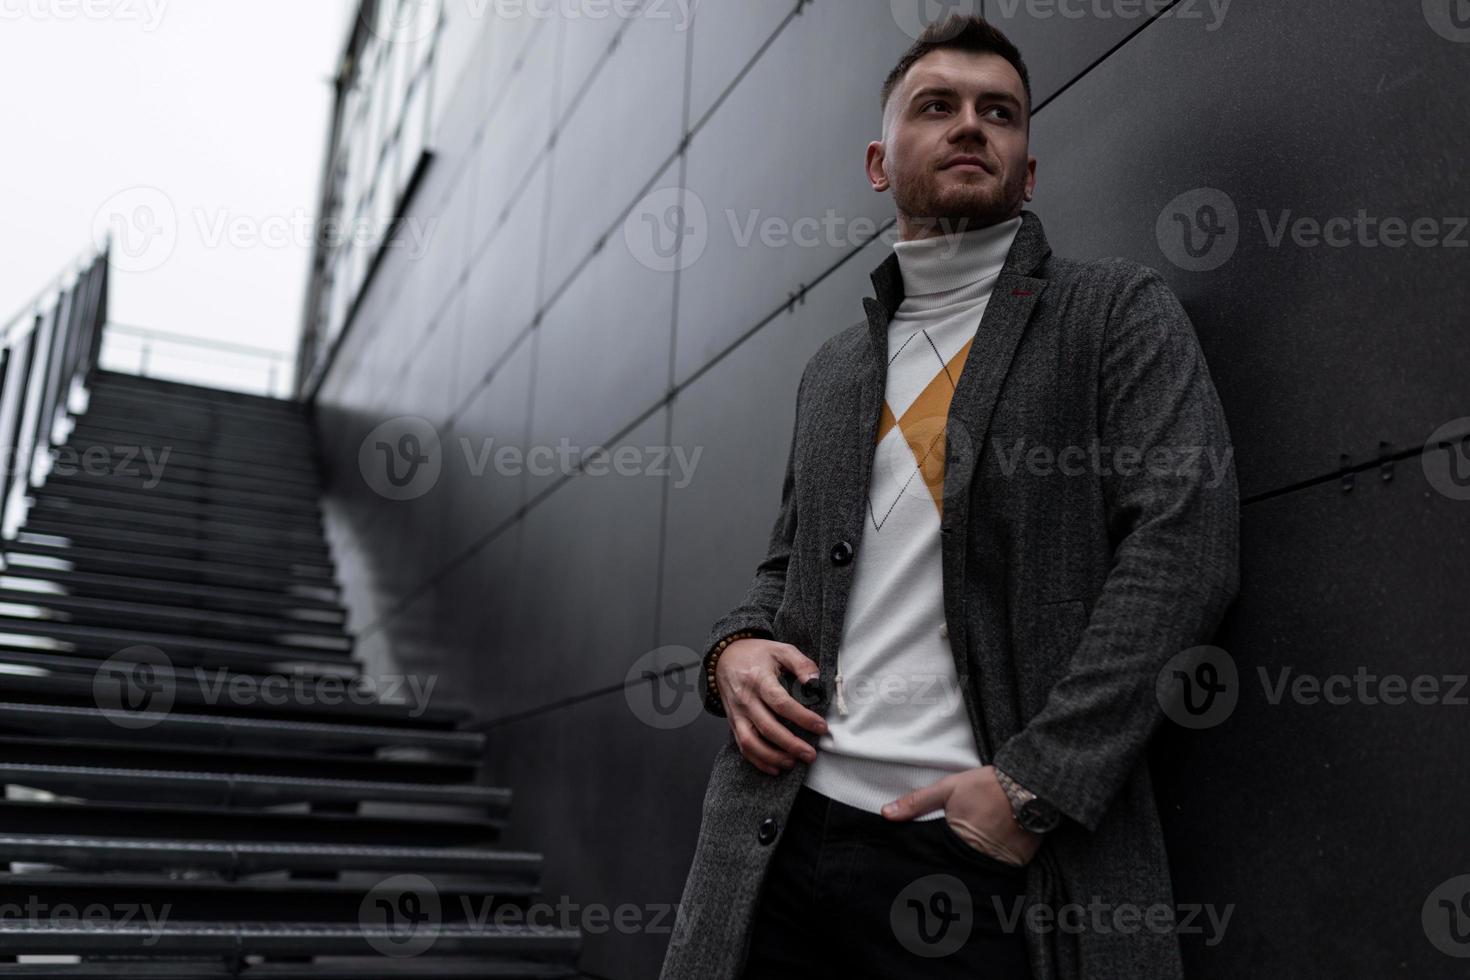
(748, 675)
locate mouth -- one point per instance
(966, 163)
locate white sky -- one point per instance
(210, 114)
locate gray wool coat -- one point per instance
(1067, 588)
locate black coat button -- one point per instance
(768, 830)
(841, 553)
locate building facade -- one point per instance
(629, 225)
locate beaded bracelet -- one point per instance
(711, 688)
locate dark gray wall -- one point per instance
(539, 313)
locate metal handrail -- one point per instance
(24, 318)
(188, 340)
(277, 362)
(45, 352)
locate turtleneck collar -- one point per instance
(945, 263)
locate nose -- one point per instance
(967, 127)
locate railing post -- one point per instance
(12, 440)
(44, 348)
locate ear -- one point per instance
(877, 155)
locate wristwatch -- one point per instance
(1031, 811)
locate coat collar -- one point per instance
(1028, 251)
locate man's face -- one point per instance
(956, 145)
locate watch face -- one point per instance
(1039, 817)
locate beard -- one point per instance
(930, 198)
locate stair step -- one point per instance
(142, 487)
(166, 469)
(248, 857)
(419, 968)
(239, 789)
(123, 381)
(45, 656)
(143, 415)
(198, 401)
(60, 509)
(193, 405)
(95, 611)
(204, 427)
(185, 650)
(203, 823)
(121, 498)
(110, 560)
(299, 454)
(170, 466)
(80, 452)
(405, 766)
(306, 897)
(202, 729)
(339, 701)
(198, 427)
(83, 936)
(304, 609)
(179, 545)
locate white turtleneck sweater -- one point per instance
(905, 724)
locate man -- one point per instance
(995, 531)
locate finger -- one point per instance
(997, 848)
(755, 749)
(786, 706)
(795, 661)
(921, 800)
(776, 733)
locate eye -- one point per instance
(939, 102)
(1005, 113)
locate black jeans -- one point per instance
(850, 894)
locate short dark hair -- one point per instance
(963, 33)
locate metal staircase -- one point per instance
(199, 779)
